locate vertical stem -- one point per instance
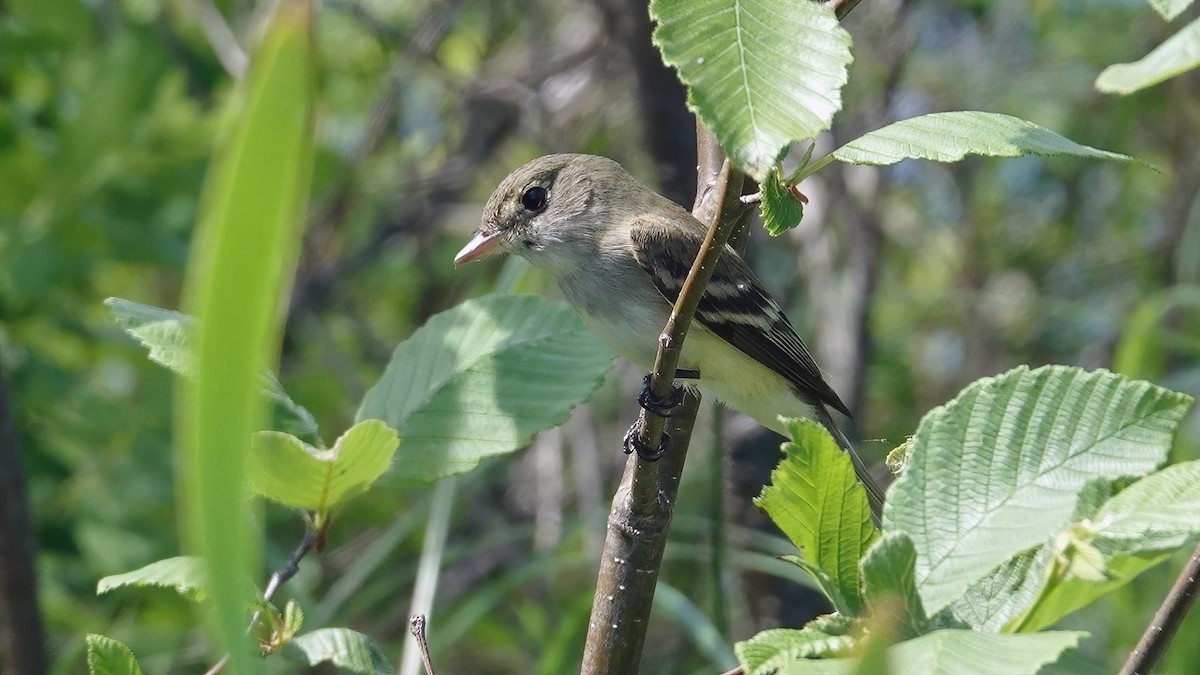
(22, 650)
(428, 568)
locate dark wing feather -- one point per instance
(735, 306)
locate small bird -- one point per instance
(620, 252)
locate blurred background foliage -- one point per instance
(910, 281)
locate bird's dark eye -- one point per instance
(534, 199)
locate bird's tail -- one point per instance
(874, 492)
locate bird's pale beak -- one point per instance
(479, 246)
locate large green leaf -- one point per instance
(951, 136)
(243, 257)
(1000, 467)
(289, 471)
(951, 652)
(106, 656)
(815, 498)
(760, 73)
(1178, 54)
(1115, 542)
(481, 379)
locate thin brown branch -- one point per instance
(1167, 619)
(642, 508)
(416, 625)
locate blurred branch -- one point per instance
(661, 97)
(1170, 615)
(221, 38)
(22, 650)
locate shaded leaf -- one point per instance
(760, 73)
(343, 648)
(169, 337)
(888, 571)
(106, 656)
(781, 210)
(481, 379)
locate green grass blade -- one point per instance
(245, 248)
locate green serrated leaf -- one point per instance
(1169, 9)
(289, 471)
(169, 337)
(950, 136)
(781, 210)
(770, 650)
(183, 574)
(106, 656)
(760, 73)
(343, 648)
(1000, 467)
(816, 500)
(889, 570)
(482, 378)
(1006, 592)
(1178, 54)
(953, 652)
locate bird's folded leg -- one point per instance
(665, 407)
(633, 443)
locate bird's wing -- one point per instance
(735, 306)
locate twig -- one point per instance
(1166, 621)
(221, 38)
(645, 501)
(22, 643)
(312, 534)
(417, 626)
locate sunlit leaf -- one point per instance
(183, 574)
(760, 73)
(289, 471)
(949, 652)
(815, 498)
(1001, 466)
(1169, 9)
(951, 136)
(1178, 54)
